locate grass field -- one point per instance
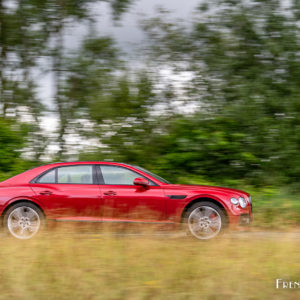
(276, 209)
(69, 265)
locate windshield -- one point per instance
(152, 175)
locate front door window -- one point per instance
(113, 175)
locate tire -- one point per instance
(205, 220)
(23, 220)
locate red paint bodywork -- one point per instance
(160, 203)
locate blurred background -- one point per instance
(200, 92)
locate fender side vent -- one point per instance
(176, 196)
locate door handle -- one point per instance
(45, 193)
(110, 193)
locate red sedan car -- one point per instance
(116, 192)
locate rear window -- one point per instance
(79, 174)
(49, 177)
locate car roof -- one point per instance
(28, 175)
(88, 162)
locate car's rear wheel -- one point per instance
(205, 220)
(23, 220)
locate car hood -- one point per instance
(205, 188)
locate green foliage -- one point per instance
(89, 77)
(119, 7)
(244, 61)
(56, 16)
(122, 119)
(12, 141)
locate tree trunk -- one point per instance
(3, 51)
(57, 71)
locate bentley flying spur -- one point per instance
(116, 192)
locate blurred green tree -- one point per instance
(243, 60)
(20, 46)
(22, 41)
(100, 89)
(31, 30)
(13, 138)
(123, 121)
(57, 15)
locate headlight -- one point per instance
(234, 201)
(243, 202)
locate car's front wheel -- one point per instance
(205, 220)
(23, 220)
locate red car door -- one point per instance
(122, 200)
(69, 192)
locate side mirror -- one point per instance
(141, 181)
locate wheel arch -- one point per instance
(204, 199)
(19, 201)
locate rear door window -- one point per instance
(81, 174)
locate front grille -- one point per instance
(250, 201)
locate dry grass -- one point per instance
(72, 265)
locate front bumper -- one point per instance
(240, 218)
(245, 220)
(240, 222)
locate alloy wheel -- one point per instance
(204, 222)
(23, 222)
